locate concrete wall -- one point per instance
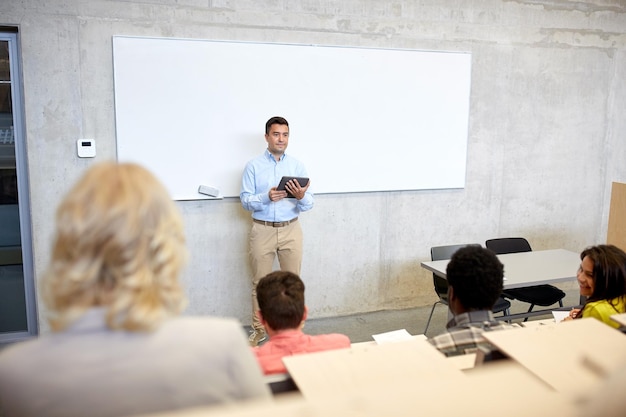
(546, 133)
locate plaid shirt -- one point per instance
(464, 332)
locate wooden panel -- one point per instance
(617, 216)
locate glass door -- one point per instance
(18, 318)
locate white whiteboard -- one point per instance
(194, 112)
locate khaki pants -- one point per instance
(265, 243)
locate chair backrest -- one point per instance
(438, 253)
(508, 245)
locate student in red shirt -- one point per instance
(282, 312)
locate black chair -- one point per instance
(542, 295)
(441, 284)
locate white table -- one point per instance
(526, 269)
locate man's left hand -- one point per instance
(293, 186)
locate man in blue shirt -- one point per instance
(275, 226)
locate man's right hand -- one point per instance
(276, 195)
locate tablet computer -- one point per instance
(303, 181)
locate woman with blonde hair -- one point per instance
(112, 292)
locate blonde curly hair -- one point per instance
(119, 244)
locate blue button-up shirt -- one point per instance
(260, 175)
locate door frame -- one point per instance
(11, 35)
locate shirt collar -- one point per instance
(91, 320)
(469, 317)
(269, 155)
(287, 334)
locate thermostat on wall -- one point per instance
(86, 148)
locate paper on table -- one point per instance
(394, 336)
(559, 315)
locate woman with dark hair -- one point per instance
(602, 279)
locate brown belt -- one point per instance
(276, 224)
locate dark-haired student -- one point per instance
(282, 312)
(475, 278)
(602, 279)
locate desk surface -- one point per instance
(461, 362)
(400, 379)
(524, 269)
(570, 356)
(619, 318)
(350, 371)
(494, 390)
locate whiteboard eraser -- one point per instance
(210, 191)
